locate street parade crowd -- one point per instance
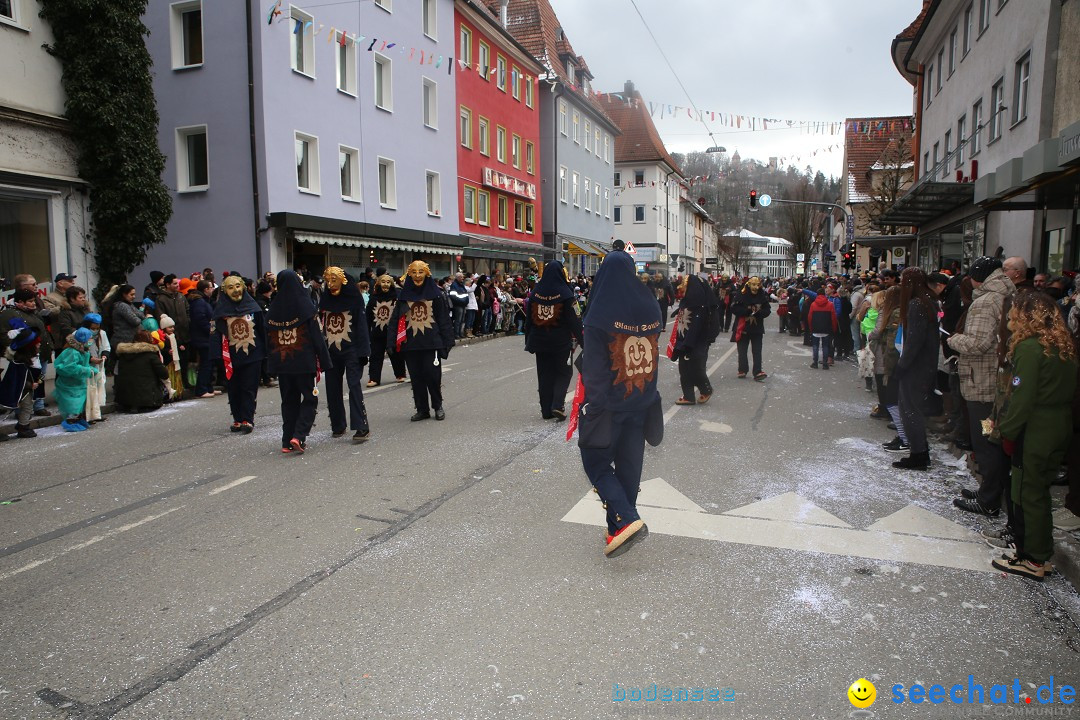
(986, 358)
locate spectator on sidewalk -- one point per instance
(100, 349)
(21, 345)
(917, 366)
(56, 300)
(140, 374)
(201, 317)
(155, 286)
(73, 369)
(69, 315)
(823, 327)
(127, 317)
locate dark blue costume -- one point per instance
(345, 324)
(698, 320)
(551, 326)
(621, 404)
(423, 314)
(243, 326)
(380, 307)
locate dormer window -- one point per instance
(570, 72)
(588, 87)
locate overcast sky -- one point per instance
(816, 60)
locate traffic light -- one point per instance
(753, 199)
(848, 262)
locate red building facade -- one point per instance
(498, 184)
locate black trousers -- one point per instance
(692, 375)
(913, 386)
(426, 378)
(754, 343)
(298, 405)
(553, 373)
(243, 389)
(379, 349)
(346, 364)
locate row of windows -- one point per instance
(193, 169)
(476, 209)
(570, 187)
(483, 66)
(591, 137)
(483, 141)
(947, 54)
(994, 125)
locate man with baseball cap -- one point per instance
(55, 301)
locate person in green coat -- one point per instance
(1036, 426)
(73, 368)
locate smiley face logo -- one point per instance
(862, 693)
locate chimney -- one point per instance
(628, 88)
(503, 5)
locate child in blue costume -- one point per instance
(621, 406)
(73, 369)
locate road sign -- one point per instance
(800, 257)
(663, 257)
(630, 249)
(765, 200)
(800, 269)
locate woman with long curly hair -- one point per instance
(1036, 427)
(916, 369)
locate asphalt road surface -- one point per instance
(160, 566)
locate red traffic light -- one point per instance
(753, 198)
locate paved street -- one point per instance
(162, 567)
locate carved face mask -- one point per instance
(335, 279)
(419, 271)
(385, 283)
(754, 284)
(233, 287)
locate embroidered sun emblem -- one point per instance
(382, 312)
(290, 341)
(683, 320)
(338, 326)
(419, 317)
(546, 315)
(241, 332)
(633, 360)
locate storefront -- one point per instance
(317, 251)
(488, 255)
(584, 257)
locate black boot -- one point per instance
(24, 431)
(914, 461)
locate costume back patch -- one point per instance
(545, 315)
(633, 360)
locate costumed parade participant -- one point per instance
(100, 349)
(297, 351)
(239, 322)
(750, 307)
(696, 326)
(551, 328)
(383, 301)
(73, 369)
(424, 337)
(23, 374)
(617, 407)
(345, 325)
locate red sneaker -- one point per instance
(297, 446)
(625, 538)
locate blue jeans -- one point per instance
(825, 343)
(459, 320)
(470, 319)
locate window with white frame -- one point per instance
(588, 195)
(465, 45)
(596, 142)
(483, 207)
(500, 143)
(617, 178)
(562, 183)
(469, 204)
(976, 127)
(948, 152)
(618, 214)
(185, 26)
(431, 19)
(9, 10)
(307, 163)
(941, 69)
(192, 159)
(929, 85)
(515, 83)
(503, 212)
(384, 83)
(588, 136)
(969, 28)
(515, 151)
(639, 178)
(937, 155)
(387, 5)
(530, 211)
(607, 202)
(607, 148)
(519, 216)
(500, 72)
(984, 15)
(387, 183)
(596, 198)
(466, 127)
(431, 103)
(961, 129)
(570, 71)
(301, 42)
(529, 91)
(997, 108)
(577, 127)
(926, 162)
(574, 189)
(434, 193)
(530, 158)
(1020, 88)
(349, 170)
(483, 140)
(952, 51)
(562, 117)
(483, 59)
(639, 213)
(346, 63)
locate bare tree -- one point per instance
(890, 178)
(800, 218)
(732, 252)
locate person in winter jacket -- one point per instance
(917, 367)
(750, 307)
(201, 317)
(459, 299)
(126, 316)
(823, 326)
(344, 322)
(421, 323)
(23, 374)
(551, 328)
(140, 374)
(383, 301)
(297, 352)
(73, 369)
(696, 321)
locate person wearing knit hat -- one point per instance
(73, 369)
(170, 355)
(157, 279)
(100, 350)
(23, 373)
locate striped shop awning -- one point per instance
(365, 242)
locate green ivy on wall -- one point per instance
(114, 121)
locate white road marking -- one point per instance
(914, 520)
(506, 377)
(788, 506)
(86, 543)
(669, 512)
(233, 484)
(798, 349)
(724, 428)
